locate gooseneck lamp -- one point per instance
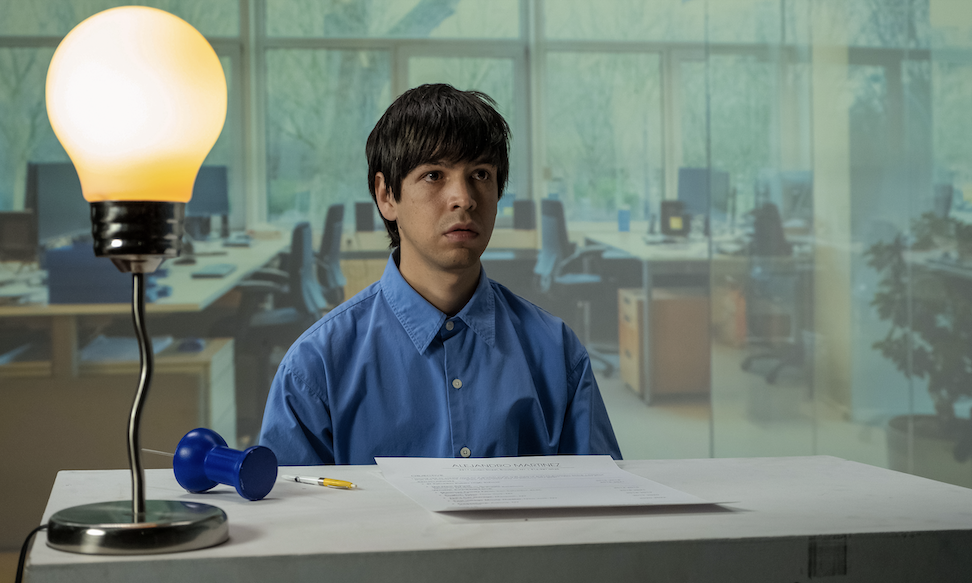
(137, 97)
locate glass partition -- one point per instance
(778, 194)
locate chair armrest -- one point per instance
(268, 274)
(251, 287)
(578, 254)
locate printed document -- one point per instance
(452, 484)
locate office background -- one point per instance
(828, 142)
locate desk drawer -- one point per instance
(630, 301)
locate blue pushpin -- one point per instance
(203, 460)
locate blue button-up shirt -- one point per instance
(388, 374)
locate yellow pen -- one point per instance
(321, 482)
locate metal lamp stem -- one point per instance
(147, 363)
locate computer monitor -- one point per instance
(210, 193)
(54, 194)
(790, 190)
(704, 191)
(210, 197)
(18, 236)
(796, 192)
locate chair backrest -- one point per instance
(329, 257)
(768, 236)
(554, 243)
(331, 240)
(305, 291)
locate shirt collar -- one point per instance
(422, 321)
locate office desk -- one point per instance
(684, 258)
(188, 295)
(782, 520)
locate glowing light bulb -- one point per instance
(137, 97)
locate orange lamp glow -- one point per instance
(137, 97)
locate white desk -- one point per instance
(784, 520)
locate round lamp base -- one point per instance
(106, 528)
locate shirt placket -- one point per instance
(458, 386)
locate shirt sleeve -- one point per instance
(297, 422)
(587, 428)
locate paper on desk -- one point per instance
(451, 484)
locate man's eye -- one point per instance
(433, 176)
(481, 175)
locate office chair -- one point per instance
(555, 280)
(772, 310)
(276, 307)
(329, 257)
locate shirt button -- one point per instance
(457, 383)
(464, 452)
(450, 325)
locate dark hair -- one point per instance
(431, 123)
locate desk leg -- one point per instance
(64, 347)
(646, 285)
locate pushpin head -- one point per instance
(203, 460)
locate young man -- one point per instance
(435, 359)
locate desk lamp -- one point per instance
(137, 97)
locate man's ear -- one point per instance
(385, 199)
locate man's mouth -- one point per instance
(462, 233)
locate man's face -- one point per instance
(445, 216)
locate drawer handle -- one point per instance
(627, 353)
(626, 318)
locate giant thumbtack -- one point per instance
(203, 460)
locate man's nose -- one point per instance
(462, 195)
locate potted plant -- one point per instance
(929, 308)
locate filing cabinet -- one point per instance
(680, 351)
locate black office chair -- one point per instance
(276, 307)
(772, 298)
(329, 257)
(556, 278)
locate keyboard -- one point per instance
(215, 270)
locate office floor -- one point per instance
(747, 417)
(8, 566)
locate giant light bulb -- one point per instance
(137, 98)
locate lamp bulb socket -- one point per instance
(137, 235)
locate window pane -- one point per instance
(887, 23)
(603, 133)
(321, 106)
(25, 134)
(737, 132)
(494, 77)
(662, 20)
(58, 17)
(228, 150)
(952, 95)
(393, 18)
